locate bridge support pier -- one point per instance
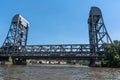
(95, 63)
(19, 61)
(5, 58)
(92, 62)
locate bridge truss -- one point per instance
(98, 34)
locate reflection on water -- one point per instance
(57, 72)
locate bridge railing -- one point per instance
(70, 48)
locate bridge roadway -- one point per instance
(62, 51)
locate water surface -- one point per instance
(57, 72)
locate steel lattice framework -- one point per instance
(16, 40)
(98, 34)
(17, 35)
(62, 51)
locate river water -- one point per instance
(57, 72)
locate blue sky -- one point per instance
(59, 21)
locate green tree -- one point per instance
(113, 54)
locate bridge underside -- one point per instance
(61, 57)
(55, 57)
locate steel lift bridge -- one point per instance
(15, 44)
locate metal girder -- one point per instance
(63, 51)
(63, 48)
(17, 34)
(98, 34)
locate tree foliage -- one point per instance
(113, 54)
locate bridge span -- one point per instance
(63, 51)
(15, 44)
